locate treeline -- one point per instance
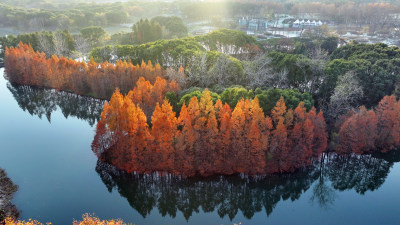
(58, 42)
(179, 52)
(25, 66)
(100, 79)
(222, 58)
(208, 138)
(351, 76)
(226, 57)
(301, 45)
(157, 28)
(145, 30)
(366, 131)
(232, 95)
(74, 16)
(63, 43)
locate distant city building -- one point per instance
(253, 24)
(242, 22)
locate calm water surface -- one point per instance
(45, 139)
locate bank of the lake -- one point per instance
(45, 141)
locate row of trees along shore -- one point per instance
(141, 132)
(208, 138)
(28, 67)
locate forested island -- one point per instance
(189, 94)
(155, 127)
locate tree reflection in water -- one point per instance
(40, 101)
(7, 190)
(227, 195)
(359, 172)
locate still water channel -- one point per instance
(45, 139)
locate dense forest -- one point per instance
(158, 126)
(208, 138)
(91, 78)
(79, 43)
(45, 15)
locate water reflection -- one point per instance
(7, 190)
(227, 195)
(361, 173)
(39, 101)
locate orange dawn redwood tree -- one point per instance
(163, 131)
(224, 148)
(257, 138)
(238, 123)
(185, 141)
(207, 129)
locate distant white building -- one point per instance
(308, 23)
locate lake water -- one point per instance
(45, 139)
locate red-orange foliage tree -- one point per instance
(320, 136)
(358, 133)
(388, 112)
(163, 132)
(223, 162)
(300, 138)
(257, 138)
(184, 148)
(207, 129)
(366, 131)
